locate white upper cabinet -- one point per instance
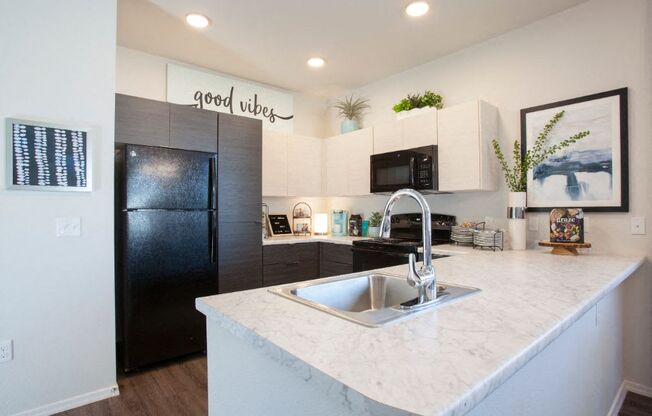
(413, 131)
(359, 148)
(336, 183)
(304, 166)
(466, 162)
(420, 130)
(275, 163)
(347, 163)
(388, 137)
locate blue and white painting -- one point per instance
(586, 174)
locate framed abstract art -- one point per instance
(592, 174)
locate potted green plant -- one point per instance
(516, 175)
(418, 103)
(374, 224)
(351, 109)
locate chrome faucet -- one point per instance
(424, 278)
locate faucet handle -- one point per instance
(413, 277)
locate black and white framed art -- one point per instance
(48, 157)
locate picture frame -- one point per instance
(44, 156)
(592, 174)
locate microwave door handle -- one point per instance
(413, 171)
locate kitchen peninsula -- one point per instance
(504, 350)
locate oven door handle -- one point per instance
(384, 253)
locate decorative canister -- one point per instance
(517, 224)
(339, 223)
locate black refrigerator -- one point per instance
(166, 250)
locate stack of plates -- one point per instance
(462, 235)
(488, 238)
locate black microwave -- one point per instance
(411, 168)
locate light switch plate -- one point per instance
(68, 226)
(637, 225)
(587, 223)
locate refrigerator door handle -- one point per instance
(213, 231)
(212, 172)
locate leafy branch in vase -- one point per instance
(516, 176)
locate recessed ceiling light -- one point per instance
(197, 20)
(316, 62)
(417, 8)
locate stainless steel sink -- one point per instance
(370, 299)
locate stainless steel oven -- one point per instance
(411, 168)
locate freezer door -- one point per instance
(170, 260)
(160, 178)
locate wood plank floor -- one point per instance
(178, 388)
(636, 405)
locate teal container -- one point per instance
(349, 125)
(365, 228)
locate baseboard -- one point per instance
(625, 387)
(72, 402)
(638, 388)
(618, 400)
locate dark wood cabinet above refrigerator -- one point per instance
(155, 123)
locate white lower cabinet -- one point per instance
(466, 160)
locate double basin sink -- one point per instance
(367, 298)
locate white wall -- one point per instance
(56, 294)
(145, 75)
(596, 46)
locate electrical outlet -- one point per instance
(68, 227)
(6, 350)
(637, 225)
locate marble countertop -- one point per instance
(453, 356)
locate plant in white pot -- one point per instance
(374, 224)
(516, 176)
(416, 103)
(350, 109)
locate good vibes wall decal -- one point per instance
(248, 105)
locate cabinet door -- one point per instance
(459, 148)
(275, 163)
(240, 256)
(239, 163)
(387, 137)
(488, 132)
(336, 166)
(192, 128)
(420, 130)
(141, 121)
(358, 149)
(304, 166)
(289, 263)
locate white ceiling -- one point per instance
(361, 40)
